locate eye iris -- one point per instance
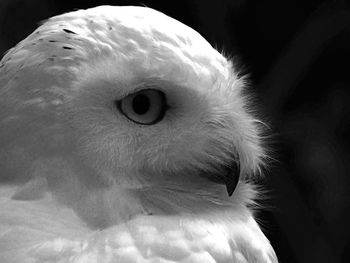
(141, 104)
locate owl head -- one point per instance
(127, 96)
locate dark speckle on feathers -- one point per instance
(69, 31)
(65, 47)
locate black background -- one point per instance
(297, 54)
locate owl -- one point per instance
(126, 137)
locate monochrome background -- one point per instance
(297, 55)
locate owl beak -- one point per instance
(231, 178)
(227, 175)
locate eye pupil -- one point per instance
(141, 104)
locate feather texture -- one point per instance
(82, 183)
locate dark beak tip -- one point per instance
(230, 190)
(231, 184)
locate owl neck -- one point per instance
(114, 205)
(105, 205)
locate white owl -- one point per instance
(125, 137)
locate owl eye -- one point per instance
(144, 107)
